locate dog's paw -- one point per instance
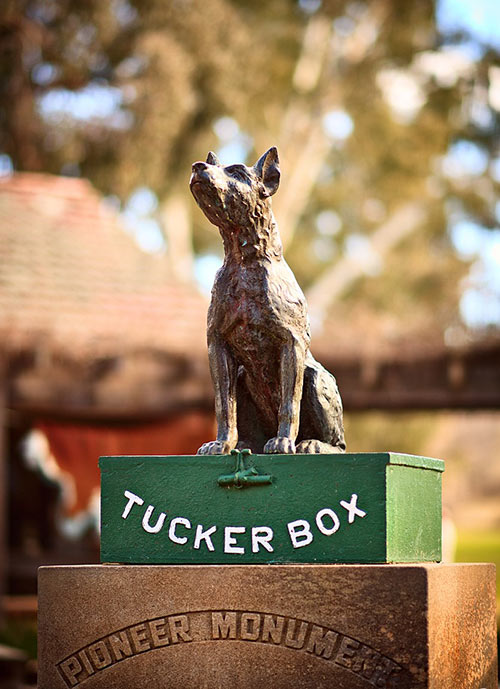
(215, 447)
(280, 446)
(316, 447)
(310, 447)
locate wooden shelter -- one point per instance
(100, 351)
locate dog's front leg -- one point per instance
(292, 365)
(223, 369)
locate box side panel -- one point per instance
(413, 514)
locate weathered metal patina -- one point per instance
(242, 508)
(270, 394)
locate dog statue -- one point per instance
(270, 394)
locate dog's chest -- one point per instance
(255, 307)
(246, 305)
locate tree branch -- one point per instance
(335, 280)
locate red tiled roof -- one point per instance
(72, 278)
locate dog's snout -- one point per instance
(199, 166)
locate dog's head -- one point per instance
(232, 196)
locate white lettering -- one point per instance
(262, 536)
(230, 542)
(145, 520)
(300, 533)
(351, 507)
(319, 521)
(132, 500)
(201, 535)
(171, 530)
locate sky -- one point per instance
(480, 18)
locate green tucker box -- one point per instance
(251, 509)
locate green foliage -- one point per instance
(20, 634)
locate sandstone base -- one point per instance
(279, 626)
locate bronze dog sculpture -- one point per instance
(270, 394)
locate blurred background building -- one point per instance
(386, 118)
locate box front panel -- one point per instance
(315, 508)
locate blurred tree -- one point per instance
(387, 130)
(121, 92)
(162, 71)
(392, 133)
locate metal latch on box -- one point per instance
(243, 477)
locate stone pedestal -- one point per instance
(410, 626)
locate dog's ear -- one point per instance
(268, 169)
(212, 159)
